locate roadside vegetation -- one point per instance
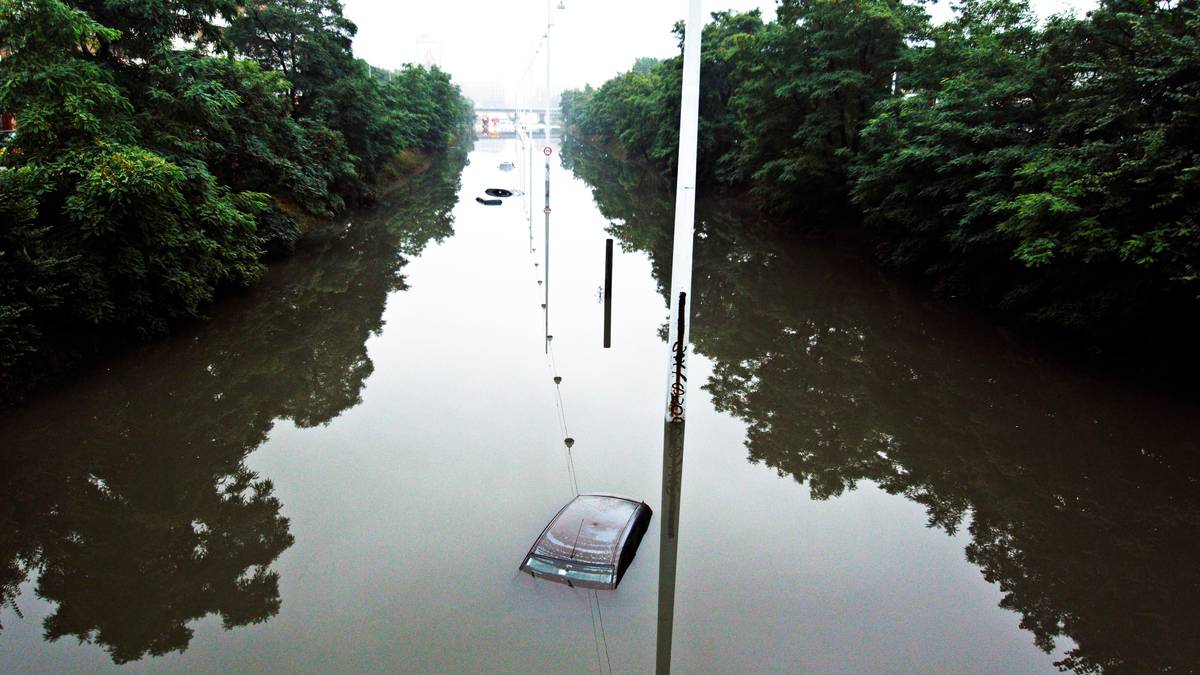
(1050, 170)
(165, 147)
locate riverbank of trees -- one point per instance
(1049, 170)
(164, 148)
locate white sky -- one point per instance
(592, 40)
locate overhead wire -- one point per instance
(602, 632)
(594, 610)
(561, 416)
(599, 633)
(595, 638)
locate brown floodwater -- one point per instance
(343, 468)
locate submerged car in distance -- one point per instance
(590, 542)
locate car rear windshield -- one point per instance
(573, 571)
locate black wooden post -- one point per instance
(608, 260)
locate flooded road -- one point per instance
(344, 467)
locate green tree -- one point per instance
(146, 29)
(572, 101)
(124, 238)
(1050, 173)
(936, 163)
(1108, 212)
(237, 118)
(308, 41)
(639, 109)
(802, 100)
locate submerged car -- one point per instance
(590, 543)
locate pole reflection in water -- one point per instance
(672, 481)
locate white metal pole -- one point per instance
(546, 247)
(685, 215)
(529, 192)
(532, 136)
(546, 210)
(678, 334)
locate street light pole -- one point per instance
(685, 216)
(679, 329)
(546, 210)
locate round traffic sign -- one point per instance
(546, 210)
(546, 151)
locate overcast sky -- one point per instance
(495, 40)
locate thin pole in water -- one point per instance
(679, 330)
(608, 262)
(546, 247)
(529, 193)
(546, 210)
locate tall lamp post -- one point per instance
(546, 209)
(680, 301)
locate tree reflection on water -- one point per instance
(1080, 495)
(127, 494)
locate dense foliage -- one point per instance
(1051, 170)
(164, 147)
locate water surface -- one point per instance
(343, 468)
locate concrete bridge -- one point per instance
(511, 112)
(502, 120)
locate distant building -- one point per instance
(429, 52)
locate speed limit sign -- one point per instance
(546, 151)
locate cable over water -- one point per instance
(600, 637)
(560, 410)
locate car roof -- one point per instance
(588, 530)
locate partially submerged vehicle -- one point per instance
(590, 543)
(494, 193)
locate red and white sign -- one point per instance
(546, 151)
